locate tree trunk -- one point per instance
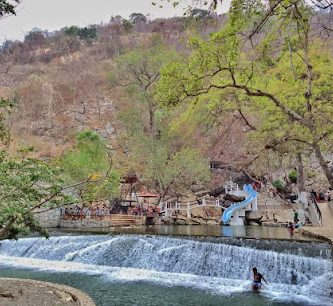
(300, 173)
(323, 165)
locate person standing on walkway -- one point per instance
(291, 228)
(295, 216)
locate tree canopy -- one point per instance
(152, 147)
(137, 17)
(90, 163)
(281, 75)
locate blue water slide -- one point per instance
(251, 195)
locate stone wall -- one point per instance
(50, 218)
(84, 223)
(282, 214)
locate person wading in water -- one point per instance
(257, 277)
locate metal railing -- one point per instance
(193, 204)
(315, 204)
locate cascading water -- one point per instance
(217, 267)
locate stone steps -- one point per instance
(123, 220)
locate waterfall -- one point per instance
(216, 263)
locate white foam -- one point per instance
(214, 285)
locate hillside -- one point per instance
(60, 84)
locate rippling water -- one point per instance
(144, 264)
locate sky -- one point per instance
(55, 14)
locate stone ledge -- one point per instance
(319, 233)
(27, 292)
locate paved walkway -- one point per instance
(326, 230)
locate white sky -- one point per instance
(55, 14)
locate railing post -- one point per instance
(188, 210)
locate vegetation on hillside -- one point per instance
(90, 161)
(84, 106)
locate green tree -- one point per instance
(153, 148)
(166, 162)
(87, 33)
(199, 14)
(293, 176)
(26, 186)
(72, 31)
(90, 162)
(137, 17)
(285, 82)
(127, 25)
(138, 72)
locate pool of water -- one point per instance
(163, 270)
(106, 292)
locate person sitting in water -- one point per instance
(257, 277)
(298, 223)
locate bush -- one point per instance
(310, 174)
(293, 176)
(278, 184)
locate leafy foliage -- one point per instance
(127, 25)
(138, 71)
(90, 162)
(285, 82)
(137, 17)
(85, 33)
(5, 106)
(293, 176)
(278, 184)
(27, 185)
(153, 146)
(165, 162)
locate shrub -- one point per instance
(278, 184)
(293, 176)
(310, 174)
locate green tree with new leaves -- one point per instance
(90, 161)
(138, 71)
(27, 186)
(153, 149)
(283, 77)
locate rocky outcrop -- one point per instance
(37, 293)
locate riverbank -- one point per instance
(323, 233)
(26, 292)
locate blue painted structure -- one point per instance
(251, 196)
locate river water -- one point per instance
(163, 270)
